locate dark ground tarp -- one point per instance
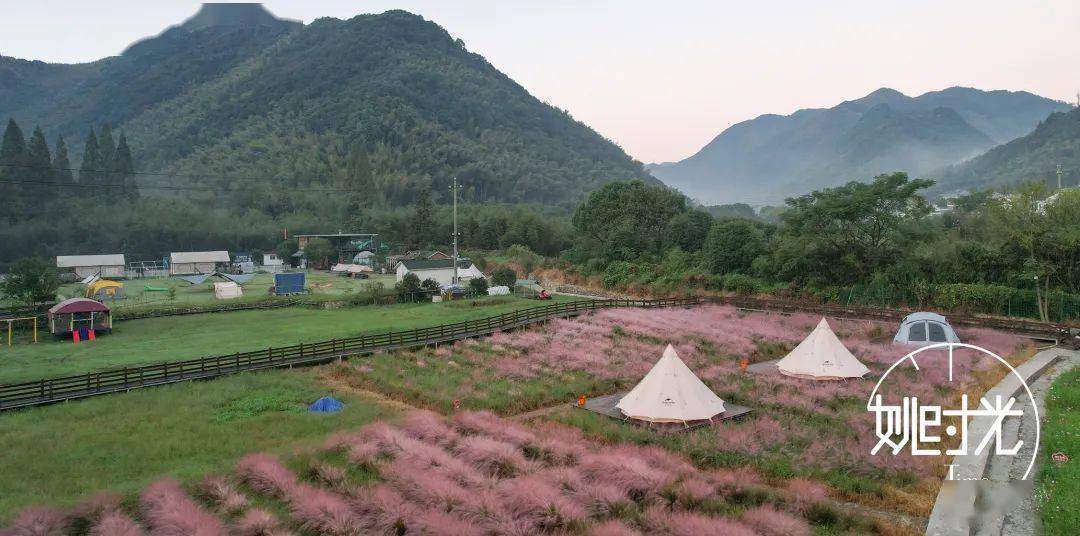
(327, 404)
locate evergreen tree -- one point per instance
(421, 223)
(12, 170)
(61, 165)
(91, 162)
(106, 150)
(39, 169)
(123, 169)
(358, 176)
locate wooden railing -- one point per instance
(50, 390)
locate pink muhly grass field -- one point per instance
(171, 512)
(116, 523)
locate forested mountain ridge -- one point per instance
(393, 94)
(1034, 157)
(772, 157)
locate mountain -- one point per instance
(1034, 157)
(392, 101)
(772, 157)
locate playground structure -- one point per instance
(79, 318)
(11, 324)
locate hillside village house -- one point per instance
(441, 270)
(197, 262)
(87, 265)
(271, 262)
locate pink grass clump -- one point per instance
(427, 426)
(772, 522)
(223, 495)
(491, 456)
(171, 512)
(538, 504)
(38, 521)
(382, 508)
(258, 522)
(88, 511)
(322, 511)
(690, 524)
(613, 527)
(804, 493)
(116, 523)
(266, 474)
(436, 522)
(626, 472)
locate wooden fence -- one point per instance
(51, 390)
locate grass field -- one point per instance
(58, 454)
(136, 297)
(153, 340)
(1059, 482)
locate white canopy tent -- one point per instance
(227, 290)
(671, 392)
(923, 328)
(821, 356)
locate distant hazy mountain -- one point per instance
(392, 102)
(1034, 157)
(772, 157)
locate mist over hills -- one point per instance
(771, 157)
(1034, 157)
(236, 91)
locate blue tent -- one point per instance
(195, 279)
(239, 279)
(289, 283)
(327, 404)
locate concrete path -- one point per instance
(988, 496)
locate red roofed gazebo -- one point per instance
(78, 314)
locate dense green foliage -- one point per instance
(505, 277)
(871, 242)
(30, 281)
(1058, 491)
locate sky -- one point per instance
(662, 79)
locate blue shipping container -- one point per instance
(289, 283)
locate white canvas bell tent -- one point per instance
(671, 393)
(227, 290)
(821, 356)
(921, 329)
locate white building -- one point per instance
(197, 262)
(88, 265)
(441, 270)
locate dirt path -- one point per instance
(342, 385)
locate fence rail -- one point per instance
(50, 390)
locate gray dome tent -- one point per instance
(923, 329)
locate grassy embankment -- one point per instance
(1058, 489)
(154, 340)
(59, 454)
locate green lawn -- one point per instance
(137, 298)
(58, 454)
(138, 342)
(1059, 482)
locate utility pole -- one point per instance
(455, 190)
(1059, 176)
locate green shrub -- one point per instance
(478, 285)
(618, 273)
(504, 277)
(741, 284)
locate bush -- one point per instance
(408, 289)
(430, 285)
(618, 273)
(478, 285)
(741, 284)
(504, 277)
(31, 280)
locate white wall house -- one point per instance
(88, 265)
(196, 262)
(441, 270)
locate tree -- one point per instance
(478, 285)
(430, 285)
(90, 169)
(319, 251)
(61, 164)
(850, 232)
(732, 245)
(422, 219)
(1048, 231)
(286, 249)
(408, 289)
(30, 281)
(688, 230)
(504, 277)
(39, 169)
(625, 220)
(12, 170)
(106, 153)
(123, 169)
(524, 257)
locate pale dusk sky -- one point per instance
(663, 78)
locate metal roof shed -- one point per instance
(89, 265)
